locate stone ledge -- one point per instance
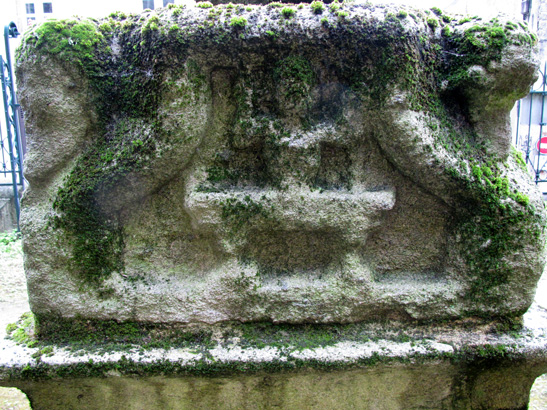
(261, 346)
(470, 364)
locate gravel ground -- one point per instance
(538, 395)
(14, 302)
(13, 288)
(13, 399)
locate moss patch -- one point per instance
(295, 75)
(74, 41)
(498, 220)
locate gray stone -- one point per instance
(206, 165)
(8, 214)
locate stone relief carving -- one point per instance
(330, 173)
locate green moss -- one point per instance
(288, 12)
(334, 6)
(105, 28)
(205, 367)
(216, 174)
(204, 4)
(342, 14)
(109, 335)
(296, 76)
(152, 24)
(45, 351)
(521, 198)
(477, 45)
(436, 11)
(176, 12)
(492, 226)
(402, 14)
(99, 337)
(487, 171)
(95, 240)
(518, 157)
(239, 212)
(238, 22)
(69, 40)
(432, 22)
(10, 243)
(131, 90)
(498, 219)
(22, 332)
(10, 328)
(496, 37)
(477, 172)
(118, 15)
(317, 7)
(510, 26)
(96, 237)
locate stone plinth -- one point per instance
(469, 365)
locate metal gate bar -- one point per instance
(534, 148)
(11, 111)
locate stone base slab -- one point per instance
(468, 365)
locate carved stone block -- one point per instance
(203, 165)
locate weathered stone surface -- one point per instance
(249, 164)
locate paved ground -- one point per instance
(14, 302)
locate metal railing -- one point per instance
(531, 130)
(11, 142)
